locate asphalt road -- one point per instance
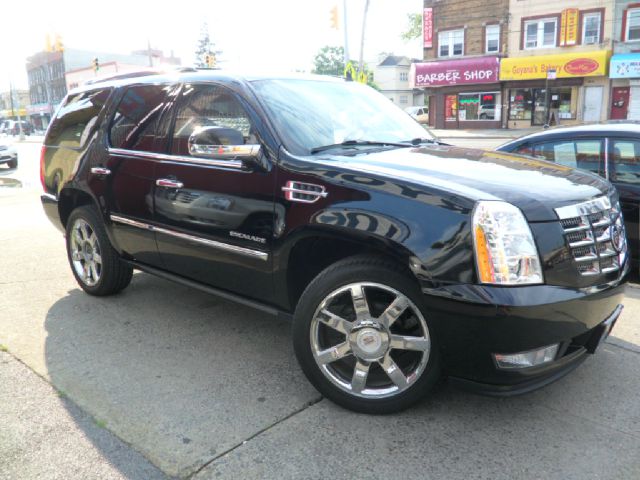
(166, 381)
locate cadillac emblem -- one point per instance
(617, 237)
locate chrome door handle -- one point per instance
(100, 171)
(168, 183)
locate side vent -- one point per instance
(303, 192)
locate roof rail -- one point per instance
(122, 76)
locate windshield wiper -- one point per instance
(420, 141)
(358, 143)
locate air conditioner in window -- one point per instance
(590, 39)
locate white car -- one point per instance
(8, 155)
(421, 114)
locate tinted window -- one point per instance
(624, 164)
(214, 109)
(583, 154)
(524, 149)
(75, 121)
(134, 124)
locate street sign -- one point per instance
(551, 74)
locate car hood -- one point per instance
(535, 186)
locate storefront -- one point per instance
(462, 93)
(555, 89)
(624, 72)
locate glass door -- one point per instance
(540, 104)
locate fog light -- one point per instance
(531, 358)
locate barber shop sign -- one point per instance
(455, 72)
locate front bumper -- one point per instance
(472, 322)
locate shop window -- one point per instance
(520, 105)
(451, 43)
(624, 164)
(492, 38)
(591, 28)
(479, 106)
(540, 33)
(633, 25)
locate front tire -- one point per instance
(96, 266)
(362, 338)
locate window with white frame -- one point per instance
(404, 99)
(492, 38)
(633, 25)
(540, 33)
(591, 28)
(404, 76)
(451, 43)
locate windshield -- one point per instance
(313, 113)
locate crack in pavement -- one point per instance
(260, 432)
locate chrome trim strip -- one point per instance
(203, 241)
(322, 194)
(585, 208)
(49, 196)
(235, 164)
(606, 158)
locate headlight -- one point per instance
(505, 251)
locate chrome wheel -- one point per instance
(85, 252)
(370, 340)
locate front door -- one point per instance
(619, 103)
(451, 111)
(540, 109)
(215, 215)
(592, 104)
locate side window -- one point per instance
(75, 122)
(134, 124)
(583, 154)
(210, 115)
(524, 149)
(624, 162)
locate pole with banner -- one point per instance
(551, 75)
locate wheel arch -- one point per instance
(71, 198)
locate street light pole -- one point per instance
(364, 27)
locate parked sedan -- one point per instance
(609, 150)
(420, 114)
(8, 155)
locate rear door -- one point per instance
(215, 215)
(129, 171)
(584, 153)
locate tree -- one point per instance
(414, 27)
(204, 47)
(329, 61)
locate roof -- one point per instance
(393, 60)
(193, 75)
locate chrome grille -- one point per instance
(594, 233)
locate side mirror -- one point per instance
(222, 143)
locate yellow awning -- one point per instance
(566, 65)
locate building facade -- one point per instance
(558, 59)
(463, 44)
(47, 70)
(624, 69)
(391, 75)
(13, 104)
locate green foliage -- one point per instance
(329, 61)
(414, 27)
(3, 348)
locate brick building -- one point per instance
(462, 51)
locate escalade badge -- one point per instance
(253, 238)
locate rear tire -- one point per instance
(362, 338)
(95, 264)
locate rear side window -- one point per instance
(75, 121)
(134, 123)
(583, 154)
(624, 163)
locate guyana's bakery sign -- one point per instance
(587, 64)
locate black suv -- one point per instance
(397, 258)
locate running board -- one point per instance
(280, 314)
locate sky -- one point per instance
(253, 35)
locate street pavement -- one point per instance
(163, 380)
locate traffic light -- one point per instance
(212, 60)
(59, 46)
(96, 64)
(334, 18)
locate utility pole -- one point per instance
(364, 27)
(344, 28)
(21, 136)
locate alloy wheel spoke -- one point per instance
(334, 353)
(334, 321)
(93, 239)
(402, 342)
(77, 236)
(86, 273)
(75, 256)
(97, 258)
(93, 271)
(393, 371)
(360, 302)
(84, 228)
(394, 310)
(359, 379)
